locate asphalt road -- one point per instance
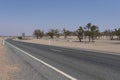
(80, 64)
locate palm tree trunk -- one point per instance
(92, 39)
(80, 40)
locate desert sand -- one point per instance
(99, 45)
(6, 69)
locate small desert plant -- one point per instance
(20, 37)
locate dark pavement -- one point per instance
(83, 65)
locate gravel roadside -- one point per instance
(12, 67)
(6, 68)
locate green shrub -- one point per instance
(19, 37)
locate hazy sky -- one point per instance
(18, 16)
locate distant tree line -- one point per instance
(89, 31)
(110, 34)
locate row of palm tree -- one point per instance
(89, 31)
(111, 33)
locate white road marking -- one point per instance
(56, 50)
(48, 65)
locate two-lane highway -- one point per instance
(79, 64)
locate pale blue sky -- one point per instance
(18, 16)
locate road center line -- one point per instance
(56, 50)
(48, 65)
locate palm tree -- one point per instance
(109, 34)
(79, 33)
(88, 27)
(117, 33)
(51, 33)
(57, 33)
(66, 33)
(98, 34)
(93, 32)
(38, 33)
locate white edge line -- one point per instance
(48, 65)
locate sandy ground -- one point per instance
(100, 45)
(6, 69)
(14, 67)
